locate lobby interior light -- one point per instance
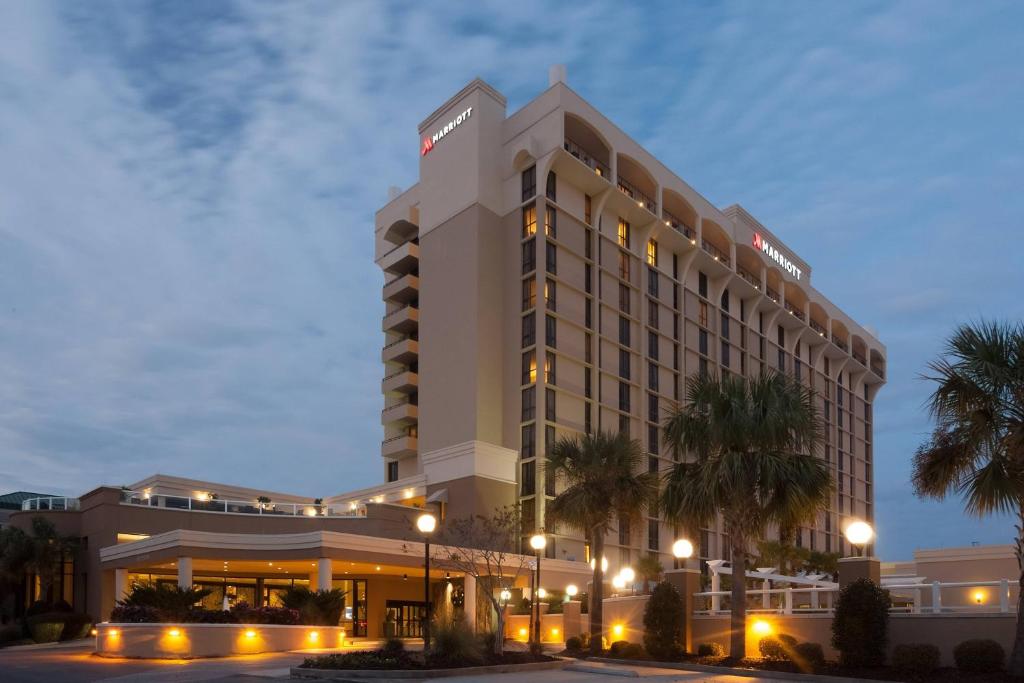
(682, 549)
(426, 523)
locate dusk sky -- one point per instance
(187, 193)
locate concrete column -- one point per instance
(469, 600)
(120, 584)
(571, 618)
(853, 568)
(185, 572)
(324, 573)
(687, 582)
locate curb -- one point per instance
(349, 674)
(60, 645)
(728, 670)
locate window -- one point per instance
(624, 363)
(588, 314)
(588, 275)
(624, 298)
(588, 425)
(652, 252)
(623, 530)
(549, 368)
(702, 366)
(652, 534)
(623, 234)
(529, 181)
(652, 407)
(393, 470)
(587, 353)
(551, 261)
(588, 248)
(725, 354)
(652, 282)
(549, 295)
(529, 331)
(529, 220)
(529, 294)
(587, 388)
(702, 314)
(529, 367)
(624, 265)
(528, 480)
(702, 342)
(549, 331)
(528, 521)
(725, 326)
(529, 411)
(624, 330)
(702, 284)
(551, 189)
(652, 345)
(529, 256)
(652, 313)
(652, 446)
(551, 222)
(725, 300)
(624, 424)
(652, 376)
(549, 406)
(586, 209)
(623, 397)
(528, 447)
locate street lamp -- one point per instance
(426, 523)
(571, 590)
(538, 542)
(628, 577)
(859, 534)
(682, 549)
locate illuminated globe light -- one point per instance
(541, 593)
(619, 582)
(538, 541)
(604, 564)
(571, 590)
(979, 597)
(762, 627)
(617, 629)
(859, 533)
(627, 574)
(506, 595)
(682, 549)
(426, 523)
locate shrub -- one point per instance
(76, 626)
(198, 615)
(369, 659)
(265, 615)
(36, 608)
(322, 608)
(917, 659)
(663, 622)
(393, 647)
(574, 644)
(617, 648)
(710, 650)
(585, 639)
(490, 644)
(634, 651)
(453, 644)
(45, 631)
(860, 628)
(135, 614)
(171, 601)
(809, 654)
(777, 648)
(980, 655)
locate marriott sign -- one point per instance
(777, 256)
(430, 140)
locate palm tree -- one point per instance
(649, 568)
(602, 483)
(750, 438)
(977, 447)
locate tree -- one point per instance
(750, 438)
(41, 552)
(484, 547)
(603, 482)
(649, 569)
(977, 446)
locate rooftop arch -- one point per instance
(584, 142)
(679, 213)
(637, 182)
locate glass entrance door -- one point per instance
(403, 619)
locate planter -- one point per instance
(344, 674)
(186, 641)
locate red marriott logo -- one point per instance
(431, 140)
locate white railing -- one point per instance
(44, 503)
(821, 600)
(238, 507)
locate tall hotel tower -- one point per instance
(547, 276)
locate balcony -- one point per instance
(840, 343)
(400, 412)
(793, 310)
(403, 320)
(679, 226)
(264, 506)
(817, 327)
(402, 288)
(402, 259)
(859, 357)
(715, 252)
(749, 277)
(878, 370)
(50, 503)
(405, 350)
(772, 294)
(401, 446)
(631, 191)
(580, 153)
(405, 380)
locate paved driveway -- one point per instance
(76, 664)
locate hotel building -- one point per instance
(546, 276)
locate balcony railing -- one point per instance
(50, 503)
(399, 309)
(859, 357)
(840, 343)
(400, 372)
(679, 225)
(631, 191)
(749, 277)
(577, 151)
(795, 311)
(817, 327)
(399, 341)
(772, 294)
(237, 507)
(715, 251)
(878, 370)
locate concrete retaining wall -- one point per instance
(176, 641)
